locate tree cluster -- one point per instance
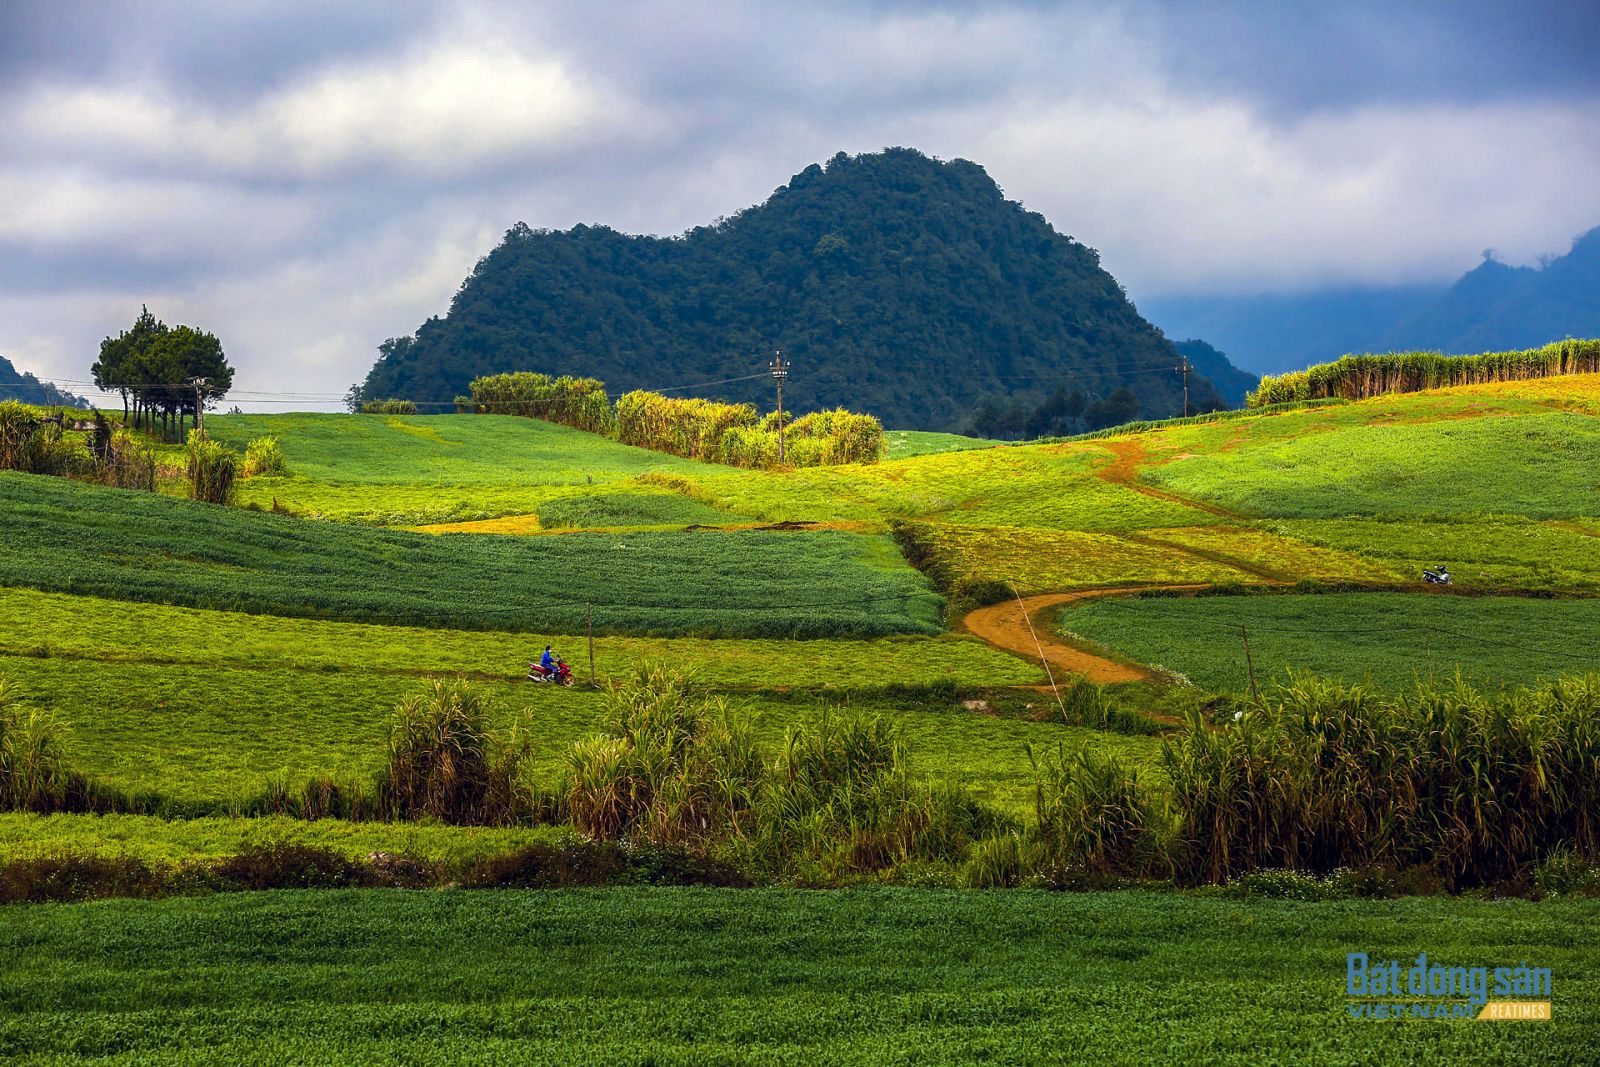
(1061, 414)
(893, 282)
(162, 372)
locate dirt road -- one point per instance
(1006, 626)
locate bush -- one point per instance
(34, 444)
(388, 407)
(130, 463)
(577, 402)
(212, 467)
(263, 457)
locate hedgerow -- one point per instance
(1359, 377)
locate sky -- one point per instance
(306, 179)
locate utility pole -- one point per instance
(589, 616)
(199, 385)
(780, 371)
(1184, 368)
(1251, 663)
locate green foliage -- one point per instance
(577, 402)
(1389, 639)
(1091, 813)
(903, 444)
(154, 366)
(212, 468)
(34, 443)
(263, 458)
(71, 537)
(1358, 377)
(388, 407)
(898, 284)
(1476, 785)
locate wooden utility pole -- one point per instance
(1251, 664)
(780, 371)
(589, 616)
(199, 385)
(1184, 368)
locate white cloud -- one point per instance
(434, 113)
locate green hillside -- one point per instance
(895, 283)
(69, 537)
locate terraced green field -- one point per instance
(1391, 638)
(65, 536)
(682, 976)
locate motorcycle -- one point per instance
(1439, 576)
(560, 675)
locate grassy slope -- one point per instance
(704, 976)
(407, 470)
(67, 536)
(906, 443)
(1390, 637)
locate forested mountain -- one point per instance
(20, 385)
(1493, 307)
(894, 283)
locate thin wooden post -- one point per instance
(589, 614)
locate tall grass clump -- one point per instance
(211, 468)
(445, 762)
(577, 402)
(1359, 377)
(33, 769)
(840, 800)
(672, 767)
(34, 443)
(1475, 786)
(263, 458)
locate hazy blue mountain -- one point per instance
(894, 283)
(1491, 308)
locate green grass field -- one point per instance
(409, 470)
(1537, 465)
(673, 976)
(1391, 638)
(906, 443)
(66, 536)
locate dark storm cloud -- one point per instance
(314, 177)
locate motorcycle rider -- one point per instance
(548, 661)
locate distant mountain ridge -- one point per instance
(894, 283)
(20, 385)
(1493, 307)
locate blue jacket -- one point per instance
(547, 661)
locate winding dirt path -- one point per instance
(1123, 470)
(1006, 627)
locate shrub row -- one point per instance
(577, 402)
(388, 407)
(734, 434)
(287, 865)
(1453, 786)
(1359, 377)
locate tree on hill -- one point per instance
(162, 371)
(895, 283)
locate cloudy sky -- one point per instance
(307, 179)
